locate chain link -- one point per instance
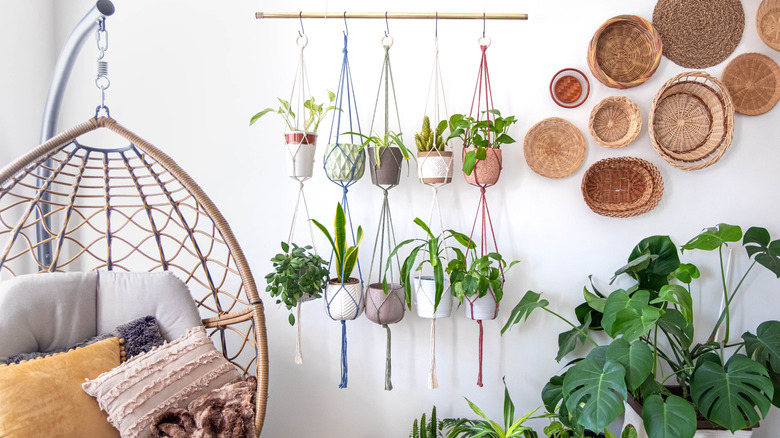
(102, 82)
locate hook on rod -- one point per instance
(436, 28)
(484, 23)
(346, 29)
(300, 18)
(387, 25)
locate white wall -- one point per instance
(187, 75)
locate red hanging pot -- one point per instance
(487, 171)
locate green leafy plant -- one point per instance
(427, 429)
(480, 134)
(297, 273)
(315, 112)
(344, 255)
(479, 275)
(650, 324)
(430, 140)
(388, 140)
(433, 252)
(487, 428)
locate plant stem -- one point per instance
(728, 302)
(574, 326)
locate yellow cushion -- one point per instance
(43, 397)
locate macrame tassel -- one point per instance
(479, 378)
(298, 353)
(433, 382)
(388, 366)
(344, 370)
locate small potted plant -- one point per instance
(389, 149)
(343, 294)
(301, 140)
(434, 164)
(298, 275)
(432, 301)
(482, 140)
(480, 282)
(720, 383)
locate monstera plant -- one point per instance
(652, 357)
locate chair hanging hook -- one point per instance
(101, 81)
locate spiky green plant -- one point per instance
(424, 429)
(427, 139)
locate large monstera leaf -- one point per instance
(636, 358)
(670, 418)
(764, 347)
(594, 390)
(629, 315)
(661, 258)
(767, 253)
(729, 395)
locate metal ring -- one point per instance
(102, 85)
(480, 39)
(305, 41)
(390, 37)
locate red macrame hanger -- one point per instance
(483, 91)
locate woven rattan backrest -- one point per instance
(132, 209)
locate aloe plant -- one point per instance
(344, 255)
(429, 140)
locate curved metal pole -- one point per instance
(51, 112)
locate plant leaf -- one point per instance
(727, 395)
(595, 392)
(764, 346)
(552, 393)
(509, 409)
(674, 417)
(636, 358)
(686, 272)
(469, 161)
(596, 303)
(568, 340)
(714, 237)
(524, 308)
(673, 323)
(674, 293)
(767, 254)
(631, 316)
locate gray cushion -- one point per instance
(122, 296)
(43, 312)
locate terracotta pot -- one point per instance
(425, 294)
(434, 167)
(481, 308)
(705, 429)
(487, 171)
(388, 173)
(300, 153)
(344, 162)
(344, 301)
(385, 309)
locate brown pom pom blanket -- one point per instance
(227, 412)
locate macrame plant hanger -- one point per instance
(385, 308)
(435, 170)
(344, 164)
(301, 146)
(493, 165)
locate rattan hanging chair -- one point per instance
(132, 208)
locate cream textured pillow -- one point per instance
(166, 377)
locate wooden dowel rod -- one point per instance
(393, 15)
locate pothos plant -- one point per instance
(476, 277)
(314, 113)
(491, 131)
(730, 382)
(298, 273)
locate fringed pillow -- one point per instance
(166, 377)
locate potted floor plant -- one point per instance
(301, 141)
(680, 386)
(434, 162)
(298, 275)
(343, 294)
(482, 140)
(388, 149)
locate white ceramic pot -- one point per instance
(425, 294)
(344, 301)
(300, 154)
(481, 308)
(434, 167)
(633, 418)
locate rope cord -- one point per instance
(388, 364)
(433, 381)
(438, 166)
(298, 350)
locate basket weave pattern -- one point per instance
(625, 51)
(615, 122)
(753, 81)
(768, 23)
(622, 187)
(554, 148)
(692, 121)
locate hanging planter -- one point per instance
(385, 308)
(482, 308)
(487, 171)
(301, 148)
(388, 173)
(344, 162)
(435, 167)
(425, 298)
(344, 300)
(482, 138)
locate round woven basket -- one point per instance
(615, 122)
(691, 121)
(625, 51)
(768, 23)
(554, 148)
(753, 81)
(622, 187)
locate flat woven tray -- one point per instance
(615, 122)
(768, 23)
(699, 33)
(753, 81)
(625, 51)
(691, 121)
(554, 148)
(622, 187)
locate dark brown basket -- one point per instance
(622, 187)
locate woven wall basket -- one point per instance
(554, 148)
(753, 81)
(622, 187)
(625, 51)
(615, 122)
(691, 121)
(768, 23)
